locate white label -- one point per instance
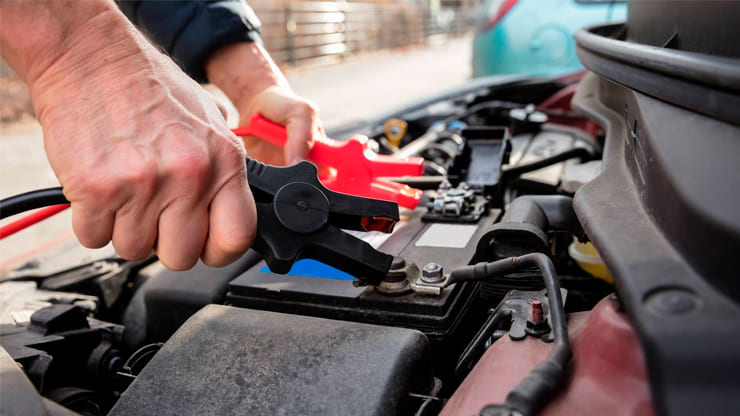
(447, 235)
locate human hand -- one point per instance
(300, 118)
(247, 75)
(143, 152)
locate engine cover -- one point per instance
(227, 360)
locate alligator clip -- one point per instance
(300, 218)
(349, 167)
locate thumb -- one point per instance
(301, 133)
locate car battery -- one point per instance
(315, 289)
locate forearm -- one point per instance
(36, 36)
(242, 70)
(72, 44)
(143, 153)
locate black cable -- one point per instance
(476, 346)
(577, 152)
(424, 183)
(31, 200)
(495, 105)
(539, 385)
(482, 271)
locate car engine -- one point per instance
(562, 260)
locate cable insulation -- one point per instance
(30, 219)
(31, 200)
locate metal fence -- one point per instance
(308, 32)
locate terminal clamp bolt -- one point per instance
(432, 273)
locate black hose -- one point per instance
(578, 152)
(541, 383)
(31, 200)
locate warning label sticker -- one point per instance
(447, 235)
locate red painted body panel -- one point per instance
(607, 374)
(560, 102)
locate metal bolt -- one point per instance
(536, 314)
(397, 272)
(432, 273)
(398, 263)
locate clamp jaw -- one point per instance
(300, 218)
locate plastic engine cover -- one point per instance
(227, 360)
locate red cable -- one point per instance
(30, 219)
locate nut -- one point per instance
(432, 273)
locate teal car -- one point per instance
(535, 37)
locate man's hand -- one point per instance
(143, 152)
(299, 117)
(247, 75)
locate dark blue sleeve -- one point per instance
(191, 30)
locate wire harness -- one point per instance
(540, 384)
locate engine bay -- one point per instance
(496, 302)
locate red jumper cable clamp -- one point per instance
(349, 167)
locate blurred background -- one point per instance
(355, 59)
(299, 33)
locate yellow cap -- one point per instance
(395, 129)
(588, 259)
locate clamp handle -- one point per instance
(261, 127)
(354, 167)
(300, 218)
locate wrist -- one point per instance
(243, 70)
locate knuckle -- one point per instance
(91, 241)
(308, 109)
(189, 165)
(313, 108)
(197, 166)
(234, 155)
(130, 245)
(212, 260)
(177, 263)
(234, 146)
(139, 174)
(233, 245)
(223, 110)
(232, 159)
(131, 252)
